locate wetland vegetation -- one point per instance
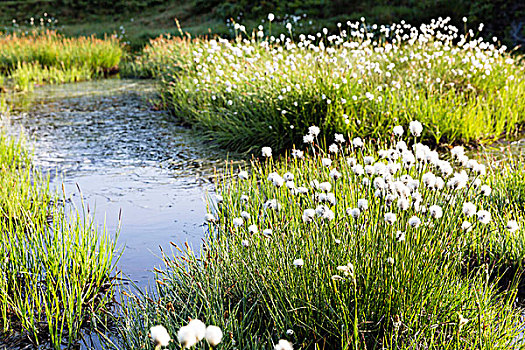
(365, 220)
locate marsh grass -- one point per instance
(39, 57)
(57, 268)
(361, 282)
(263, 90)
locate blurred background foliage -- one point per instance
(139, 20)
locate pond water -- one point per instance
(127, 159)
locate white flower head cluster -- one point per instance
(196, 331)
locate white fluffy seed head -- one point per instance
(243, 175)
(390, 218)
(266, 152)
(512, 226)
(213, 335)
(187, 337)
(435, 211)
(414, 221)
(199, 327)
(484, 217)
(298, 262)
(469, 209)
(398, 130)
(283, 345)
(159, 335)
(415, 128)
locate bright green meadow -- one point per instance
(260, 90)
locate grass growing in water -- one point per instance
(357, 247)
(56, 268)
(47, 57)
(263, 90)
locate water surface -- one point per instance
(126, 158)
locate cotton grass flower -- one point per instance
(414, 221)
(266, 152)
(469, 209)
(267, 232)
(283, 345)
(398, 130)
(362, 204)
(357, 142)
(210, 218)
(308, 138)
(512, 226)
(435, 211)
(243, 175)
(334, 174)
(159, 335)
(325, 186)
(187, 337)
(390, 218)
(238, 222)
(466, 226)
(288, 176)
(354, 212)
(415, 128)
(326, 162)
(339, 138)
(400, 236)
(297, 154)
(253, 229)
(276, 179)
(199, 328)
(484, 217)
(308, 215)
(333, 148)
(298, 262)
(485, 190)
(314, 130)
(213, 335)
(348, 270)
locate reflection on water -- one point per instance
(125, 157)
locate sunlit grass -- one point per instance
(40, 57)
(57, 268)
(263, 90)
(359, 247)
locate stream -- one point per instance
(127, 159)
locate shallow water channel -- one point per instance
(125, 157)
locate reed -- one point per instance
(57, 268)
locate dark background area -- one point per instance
(139, 20)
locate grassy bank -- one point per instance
(265, 90)
(56, 267)
(41, 57)
(374, 246)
